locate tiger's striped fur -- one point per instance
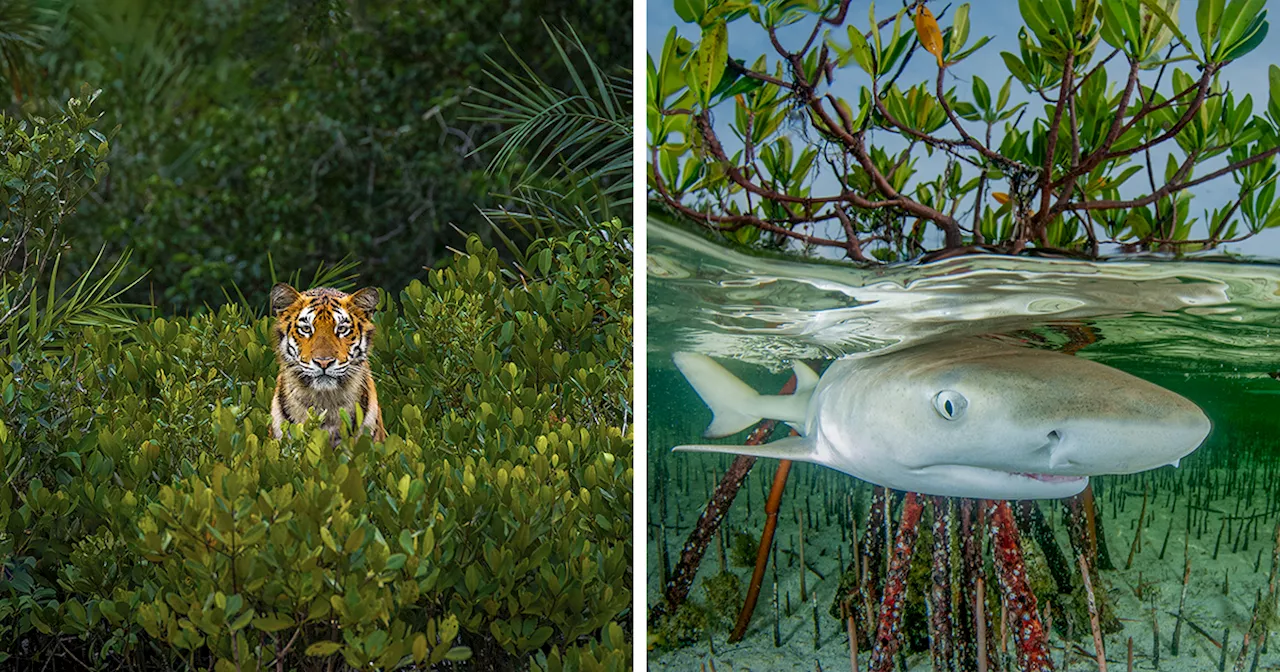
(323, 337)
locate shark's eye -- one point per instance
(950, 404)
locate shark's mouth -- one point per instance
(1031, 475)
(968, 480)
(1050, 478)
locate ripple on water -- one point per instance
(1151, 312)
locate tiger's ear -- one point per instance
(366, 299)
(282, 296)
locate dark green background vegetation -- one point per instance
(309, 131)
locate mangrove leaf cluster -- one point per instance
(148, 520)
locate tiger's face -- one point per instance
(324, 335)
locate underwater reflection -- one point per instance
(765, 310)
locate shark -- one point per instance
(960, 417)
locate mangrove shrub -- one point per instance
(147, 519)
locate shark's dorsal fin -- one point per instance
(796, 448)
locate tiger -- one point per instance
(323, 342)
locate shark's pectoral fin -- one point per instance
(797, 448)
(806, 378)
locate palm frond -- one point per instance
(92, 300)
(23, 28)
(341, 276)
(572, 148)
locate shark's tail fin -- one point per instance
(734, 405)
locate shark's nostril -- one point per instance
(1058, 458)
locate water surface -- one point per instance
(1205, 327)
(1198, 315)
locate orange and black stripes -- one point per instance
(323, 338)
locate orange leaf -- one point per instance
(1000, 197)
(928, 32)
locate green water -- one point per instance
(1208, 329)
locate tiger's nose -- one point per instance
(324, 363)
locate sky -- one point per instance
(1001, 20)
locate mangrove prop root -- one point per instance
(969, 625)
(873, 542)
(868, 564)
(1078, 531)
(892, 605)
(980, 618)
(1087, 541)
(1137, 536)
(1029, 637)
(681, 580)
(852, 631)
(762, 556)
(1082, 530)
(1198, 630)
(939, 602)
(1098, 649)
(1097, 535)
(870, 553)
(1182, 601)
(1031, 519)
(1249, 633)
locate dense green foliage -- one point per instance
(260, 134)
(146, 517)
(49, 167)
(821, 141)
